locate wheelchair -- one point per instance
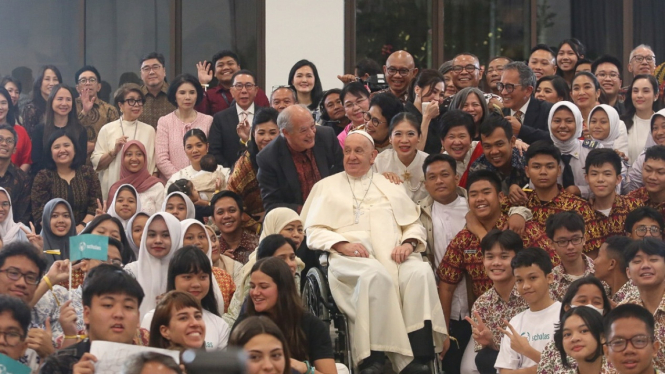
(318, 300)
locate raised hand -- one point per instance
(518, 343)
(39, 340)
(33, 238)
(432, 110)
(59, 271)
(204, 72)
(87, 99)
(100, 208)
(347, 78)
(481, 334)
(119, 143)
(67, 319)
(86, 364)
(243, 129)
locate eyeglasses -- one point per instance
(14, 274)
(350, 104)
(509, 87)
(148, 69)
(5, 204)
(248, 86)
(12, 338)
(375, 121)
(8, 141)
(611, 75)
(620, 344)
(649, 59)
(403, 72)
(641, 230)
(564, 242)
(134, 102)
(470, 68)
(90, 80)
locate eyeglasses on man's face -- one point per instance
(15, 274)
(640, 59)
(403, 72)
(509, 87)
(148, 69)
(8, 141)
(470, 68)
(373, 120)
(564, 242)
(240, 86)
(637, 341)
(641, 230)
(91, 80)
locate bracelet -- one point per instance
(309, 367)
(48, 282)
(77, 337)
(242, 142)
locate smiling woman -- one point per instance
(185, 92)
(66, 178)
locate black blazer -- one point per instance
(223, 138)
(278, 178)
(534, 124)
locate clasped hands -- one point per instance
(399, 253)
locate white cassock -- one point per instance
(383, 301)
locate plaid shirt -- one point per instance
(464, 255)
(659, 331)
(602, 227)
(493, 310)
(517, 174)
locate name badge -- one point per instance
(470, 251)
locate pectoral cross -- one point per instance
(358, 212)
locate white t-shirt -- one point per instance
(217, 330)
(538, 327)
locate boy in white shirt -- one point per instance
(528, 332)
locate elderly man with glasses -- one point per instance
(93, 112)
(154, 88)
(526, 114)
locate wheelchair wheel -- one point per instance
(315, 295)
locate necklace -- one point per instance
(136, 127)
(357, 203)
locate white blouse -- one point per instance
(412, 175)
(637, 137)
(106, 139)
(189, 173)
(152, 199)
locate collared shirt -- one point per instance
(155, 107)
(627, 291)
(494, 310)
(562, 280)
(563, 202)
(308, 171)
(219, 98)
(517, 174)
(464, 255)
(248, 242)
(659, 330)
(602, 227)
(582, 149)
(249, 113)
(100, 114)
(19, 185)
(642, 195)
(522, 109)
(403, 98)
(551, 363)
(447, 221)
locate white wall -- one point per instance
(304, 29)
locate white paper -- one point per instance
(112, 356)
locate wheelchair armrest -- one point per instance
(323, 259)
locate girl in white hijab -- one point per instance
(608, 129)
(283, 221)
(179, 205)
(10, 231)
(125, 204)
(565, 125)
(160, 239)
(201, 239)
(657, 137)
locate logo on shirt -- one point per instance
(536, 337)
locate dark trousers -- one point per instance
(460, 330)
(485, 360)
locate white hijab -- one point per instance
(613, 117)
(10, 231)
(571, 144)
(112, 212)
(650, 141)
(184, 225)
(190, 205)
(128, 232)
(151, 273)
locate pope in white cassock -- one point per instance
(376, 271)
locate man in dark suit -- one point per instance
(526, 114)
(225, 144)
(302, 155)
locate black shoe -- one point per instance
(416, 367)
(374, 368)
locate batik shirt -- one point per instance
(642, 195)
(563, 202)
(562, 280)
(627, 291)
(517, 174)
(602, 227)
(464, 255)
(494, 310)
